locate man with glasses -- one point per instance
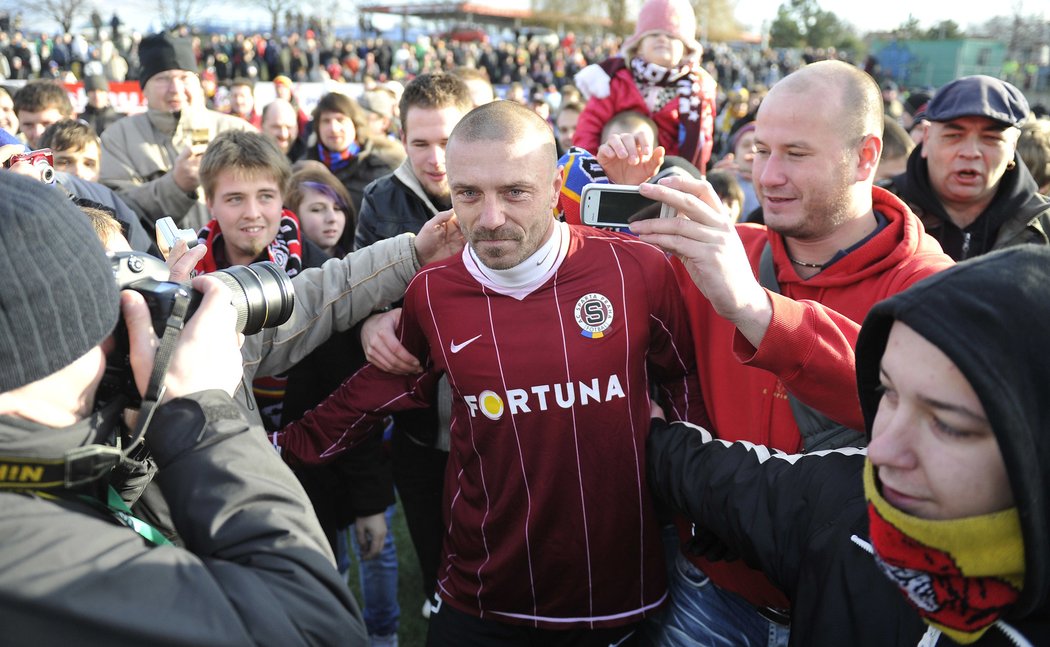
(153, 159)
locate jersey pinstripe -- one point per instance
(548, 515)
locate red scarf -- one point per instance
(286, 249)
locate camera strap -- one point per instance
(818, 431)
(155, 389)
(115, 507)
(79, 466)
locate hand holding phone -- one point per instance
(618, 205)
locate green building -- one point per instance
(932, 63)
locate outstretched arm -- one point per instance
(763, 504)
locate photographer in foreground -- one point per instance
(77, 568)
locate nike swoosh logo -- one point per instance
(455, 348)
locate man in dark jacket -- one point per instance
(403, 201)
(966, 181)
(78, 569)
(97, 112)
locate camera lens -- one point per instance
(262, 294)
(47, 172)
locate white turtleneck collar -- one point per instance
(524, 278)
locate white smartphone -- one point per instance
(618, 205)
(168, 234)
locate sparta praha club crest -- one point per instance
(594, 314)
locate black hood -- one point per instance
(989, 316)
(1016, 189)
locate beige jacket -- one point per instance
(330, 298)
(139, 151)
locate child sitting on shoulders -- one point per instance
(658, 74)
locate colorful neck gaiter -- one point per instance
(960, 574)
(338, 160)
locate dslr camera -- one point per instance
(262, 295)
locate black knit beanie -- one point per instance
(162, 52)
(58, 298)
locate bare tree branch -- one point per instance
(175, 13)
(277, 9)
(64, 12)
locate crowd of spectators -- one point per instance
(806, 192)
(313, 55)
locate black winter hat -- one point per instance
(916, 102)
(162, 52)
(58, 297)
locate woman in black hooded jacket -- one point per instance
(938, 533)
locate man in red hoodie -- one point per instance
(775, 345)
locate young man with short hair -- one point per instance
(243, 176)
(76, 148)
(431, 106)
(38, 104)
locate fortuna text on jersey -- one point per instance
(544, 396)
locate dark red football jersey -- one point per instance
(548, 512)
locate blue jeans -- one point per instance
(703, 615)
(378, 581)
